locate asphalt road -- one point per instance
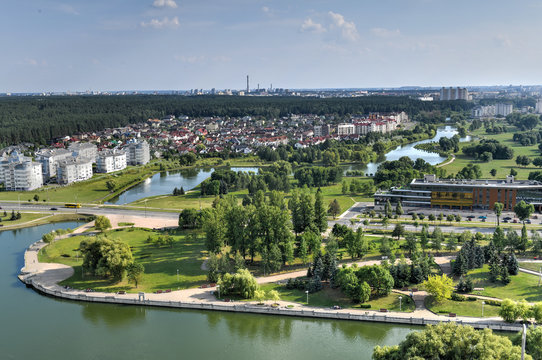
(94, 210)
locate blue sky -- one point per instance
(76, 45)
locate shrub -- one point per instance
(365, 306)
(457, 297)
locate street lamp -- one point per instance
(218, 289)
(307, 292)
(400, 303)
(483, 303)
(177, 275)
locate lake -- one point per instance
(37, 326)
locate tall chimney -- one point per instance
(248, 85)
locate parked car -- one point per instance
(54, 209)
(534, 216)
(507, 218)
(471, 217)
(515, 221)
(504, 220)
(527, 221)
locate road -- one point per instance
(93, 210)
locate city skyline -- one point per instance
(173, 44)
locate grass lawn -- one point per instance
(160, 264)
(502, 166)
(522, 286)
(25, 217)
(530, 266)
(461, 308)
(329, 297)
(193, 199)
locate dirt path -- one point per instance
(447, 162)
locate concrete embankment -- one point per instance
(45, 277)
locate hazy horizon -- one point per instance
(123, 45)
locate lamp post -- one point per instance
(177, 275)
(307, 292)
(483, 303)
(523, 340)
(218, 290)
(400, 303)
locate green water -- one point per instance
(34, 326)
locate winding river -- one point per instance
(36, 326)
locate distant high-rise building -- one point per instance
(321, 130)
(539, 106)
(138, 153)
(503, 109)
(454, 93)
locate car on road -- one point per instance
(53, 209)
(471, 217)
(504, 220)
(508, 218)
(515, 221)
(527, 221)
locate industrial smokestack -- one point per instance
(248, 85)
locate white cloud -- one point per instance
(310, 26)
(265, 9)
(161, 24)
(68, 9)
(347, 28)
(165, 3)
(385, 33)
(190, 59)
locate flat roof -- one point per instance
(480, 183)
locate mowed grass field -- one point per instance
(160, 264)
(522, 286)
(329, 297)
(193, 199)
(461, 308)
(502, 166)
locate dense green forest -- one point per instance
(40, 119)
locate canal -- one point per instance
(36, 326)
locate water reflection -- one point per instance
(114, 316)
(163, 183)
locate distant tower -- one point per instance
(248, 85)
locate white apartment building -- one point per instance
(85, 150)
(321, 130)
(539, 106)
(49, 159)
(138, 153)
(111, 160)
(503, 109)
(18, 172)
(346, 129)
(74, 169)
(454, 93)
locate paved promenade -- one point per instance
(45, 278)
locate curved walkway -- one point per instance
(447, 162)
(45, 278)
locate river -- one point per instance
(36, 326)
(413, 153)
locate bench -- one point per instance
(158, 291)
(121, 292)
(452, 315)
(168, 290)
(414, 289)
(383, 310)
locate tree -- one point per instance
(259, 295)
(493, 172)
(450, 218)
(411, 243)
(36, 197)
(450, 341)
(190, 219)
(134, 272)
(274, 296)
(215, 229)
(440, 286)
(398, 231)
(364, 292)
(497, 209)
(537, 312)
(334, 208)
(110, 185)
(385, 222)
(513, 172)
(523, 210)
(356, 244)
(102, 223)
(533, 344)
(523, 240)
(387, 209)
(499, 240)
(432, 217)
(437, 236)
(48, 237)
(242, 283)
(509, 311)
(320, 217)
(399, 209)
(104, 258)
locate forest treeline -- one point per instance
(41, 119)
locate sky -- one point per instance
(100, 45)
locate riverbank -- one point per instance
(45, 278)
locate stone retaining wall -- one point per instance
(267, 310)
